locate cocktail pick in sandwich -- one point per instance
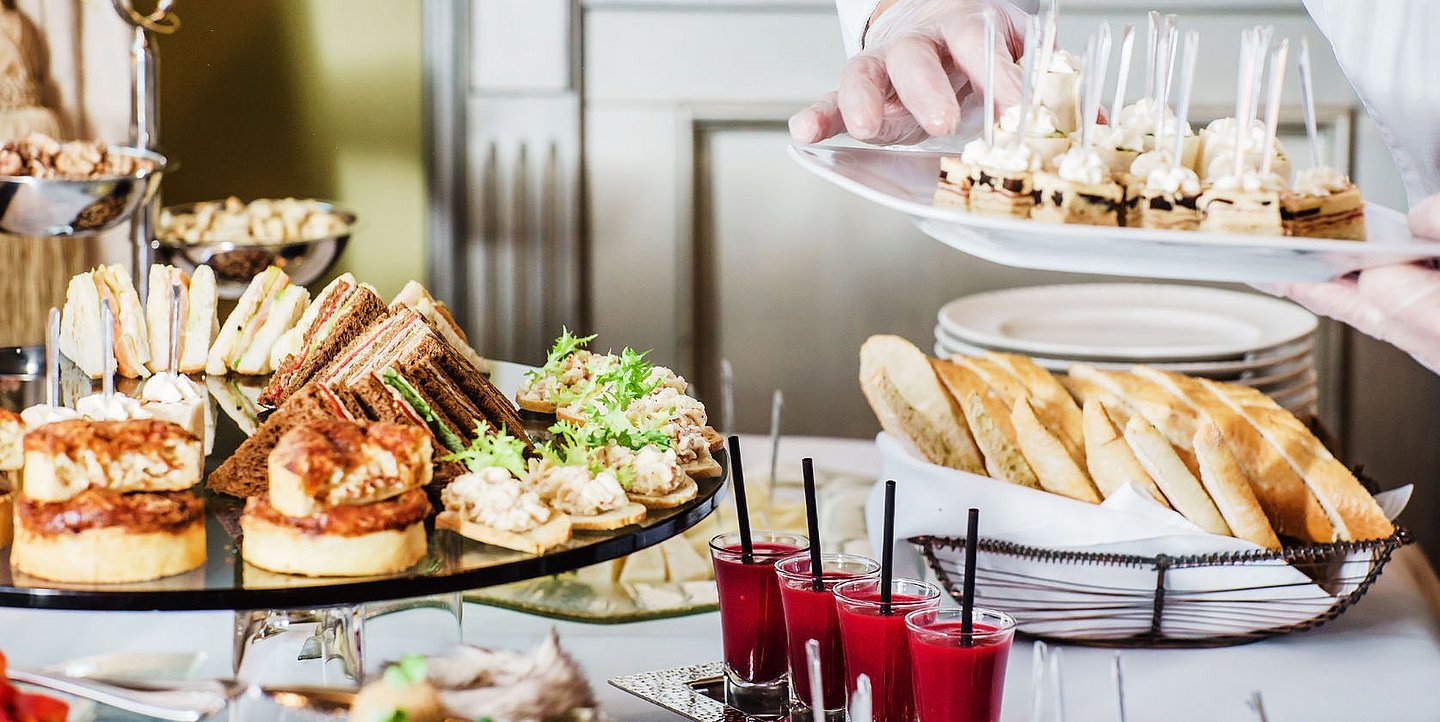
(52, 358)
(107, 350)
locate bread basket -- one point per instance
(1152, 601)
(1086, 574)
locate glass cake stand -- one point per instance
(330, 616)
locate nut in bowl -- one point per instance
(238, 240)
(76, 188)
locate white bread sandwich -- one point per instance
(198, 319)
(108, 502)
(80, 334)
(345, 499)
(270, 306)
(12, 458)
(416, 296)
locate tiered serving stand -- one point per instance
(269, 606)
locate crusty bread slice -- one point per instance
(1051, 395)
(988, 417)
(1230, 489)
(1351, 509)
(624, 515)
(685, 492)
(1173, 477)
(1048, 457)
(1108, 457)
(911, 404)
(995, 376)
(1142, 396)
(551, 534)
(1292, 508)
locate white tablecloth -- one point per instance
(1381, 661)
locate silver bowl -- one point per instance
(31, 206)
(235, 264)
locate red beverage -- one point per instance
(877, 644)
(954, 682)
(752, 621)
(811, 615)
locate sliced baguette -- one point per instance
(911, 404)
(1351, 509)
(624, 515)
(1291, 507)
(1142, 396)
(989, 420)
(1109, 458)
(551, 534)
(685, 492)
(1173, 477)
(995, 376)
(1230, 489)
(1048, 457)
(1057, 402)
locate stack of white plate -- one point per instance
(1231, 336)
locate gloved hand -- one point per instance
(922, 59)
(1396, 304)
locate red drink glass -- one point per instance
(752, 620)
(810, 614)
(955, 682)
(876, 644)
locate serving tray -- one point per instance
(453, 563)
(905, 181)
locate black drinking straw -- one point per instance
(812, 521)
(742, 510)
(967, 598)
(887, 553)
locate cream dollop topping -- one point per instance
(1119, 137)
(1321, 181)
(1140, 118)
(1149, 162)
(974, 151)
(118, 407)
(171, 388)
(1250, 182)
(574, 490)
(1011, 157)
(495, 498)
(42, 414)
(1041, 122)
(1222, 131)
(1173, 179)
(1083, 166)
(1063, 61)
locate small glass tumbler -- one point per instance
(876, 643)
(959, 677)
(752, 619)
(810, 614)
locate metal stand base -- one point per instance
(341, 646)
(26, 362)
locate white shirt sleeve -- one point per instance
(1388, 51)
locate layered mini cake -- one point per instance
(1245, 204)
(1079, 191)
(1323, 203)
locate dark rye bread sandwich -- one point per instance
(343, 311)
(399, 370)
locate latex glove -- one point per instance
(922, 59)
(1396, 304)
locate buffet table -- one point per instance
(1378, 661)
